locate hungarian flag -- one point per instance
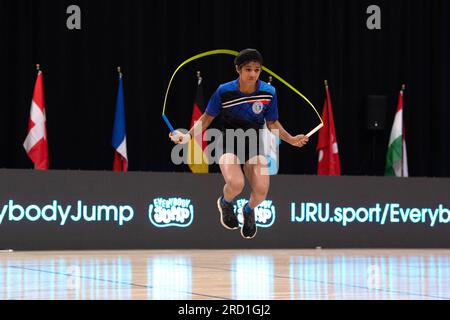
(327, 146)
(198, 161)
(36, 144)
(396, 158)
(119, 139)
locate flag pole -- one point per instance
(199, 77)
(403, 130)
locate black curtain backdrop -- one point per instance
(305, 42)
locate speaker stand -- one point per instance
(374, 143)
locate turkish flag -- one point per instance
(327, 146)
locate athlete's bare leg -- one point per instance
(257, 173)
(232, 173)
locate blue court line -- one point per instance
(387, 290)
(342, 285)
(114, 281)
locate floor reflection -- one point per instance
(360, 277)
(252, 277)
(240, 275)
(169, 278)
(66, 279)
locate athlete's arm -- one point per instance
(276, 128)
(199, 126)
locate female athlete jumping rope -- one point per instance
(243, 105)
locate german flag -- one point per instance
(198, 161)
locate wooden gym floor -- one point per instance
(400, 274)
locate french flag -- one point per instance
(119, 139)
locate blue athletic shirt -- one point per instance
(240, 110)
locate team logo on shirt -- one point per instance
(257, 107)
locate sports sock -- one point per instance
(247, 209)
(225, 202)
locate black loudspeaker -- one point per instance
(376, 112)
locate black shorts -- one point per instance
(245, 146)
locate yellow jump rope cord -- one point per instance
(234, 53)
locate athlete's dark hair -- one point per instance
(247, 55)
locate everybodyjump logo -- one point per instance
(264, 212)
(171, 212)
(55, 212)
